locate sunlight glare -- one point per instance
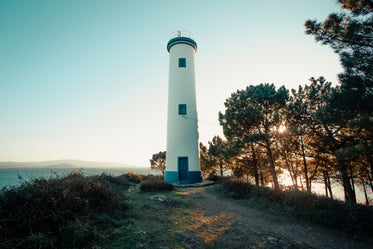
(282, 128)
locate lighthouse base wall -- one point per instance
(173, 177)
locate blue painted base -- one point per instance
(173, 177)
(194, 177)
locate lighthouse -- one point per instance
(182, 160)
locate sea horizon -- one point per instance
(64, 163)
(13, 177)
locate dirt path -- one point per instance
(222, 223)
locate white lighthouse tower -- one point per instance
(182, 160)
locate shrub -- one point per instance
(307, 206)
(154, 183)
(58, 212)
(213, 177)
(220, 179)
(237, 189)
(150, 176)
(109, 180)
(131, 177)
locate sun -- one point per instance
(282, 128)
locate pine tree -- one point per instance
(253, 115)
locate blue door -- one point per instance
(183, 169)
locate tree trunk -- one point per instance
(329, 185)
(308, 185)
(352, 180)
(295, 175)
(262, 179)
(256, 175)
(370, 174)
(301, 183)
(325, 183)
(272, 168)
(348, 191)
(221, 169)
(370, 160)
(370, 181)
(365, 194)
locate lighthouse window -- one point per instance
(182, 109)
(182, 62)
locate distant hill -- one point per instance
(64, 164)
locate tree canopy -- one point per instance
(158, 161)
(254, 115)
(349, 108)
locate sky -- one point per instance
(88, 79)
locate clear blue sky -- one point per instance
(83, 79)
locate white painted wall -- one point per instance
(182, 131)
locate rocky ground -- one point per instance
(197, 218)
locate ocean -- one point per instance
(16, 176)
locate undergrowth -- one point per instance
(357, 219)
(155, 183)
(131, 177)
(70, 212)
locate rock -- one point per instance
(132, 189)
(161, 199)
(272, 240)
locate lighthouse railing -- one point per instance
(181, 33)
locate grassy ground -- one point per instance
(172, 223)
(152, 224)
